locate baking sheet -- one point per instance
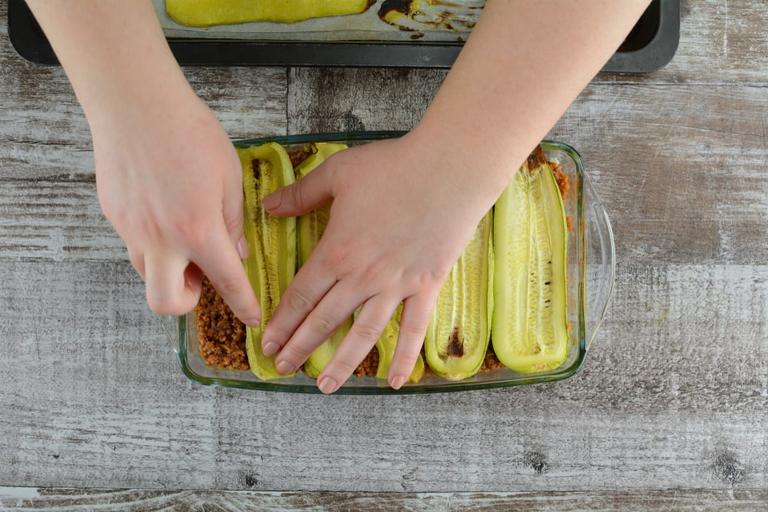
(435, 21)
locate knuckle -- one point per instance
(366, 332)
(324, 324)
(335, 256)
(433, 277)
(412, 335)
(191, 233)
(296, 195)
(233, 224)
(295, 354)
(298, 301)
(165, 306)
(228, 285)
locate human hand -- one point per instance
(402, 212)
(170, 182)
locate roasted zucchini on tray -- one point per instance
(504, 297)
(205, 13)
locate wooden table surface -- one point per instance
(669, 412)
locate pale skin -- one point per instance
(169, 180)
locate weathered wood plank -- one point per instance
(677, 397)
(48, 206)
(720, 41)
(697, 158)
(663, 158)
(20, 499)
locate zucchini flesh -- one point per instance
(271, 262)
(530, 325)
(458, 334)
(311, 227)
(204, 13)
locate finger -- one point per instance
(168, 292)
(306, 290)
(232, 206)
(221, 263)
(137, 260)
(333, 309)
(310, 192)
(417, 312)
(362, 337)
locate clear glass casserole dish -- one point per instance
(590, 277)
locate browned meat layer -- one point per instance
(369, 365)
(562, 180)
(299, 155)
(221, 334)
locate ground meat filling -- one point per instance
(222, 335)
(369, 365)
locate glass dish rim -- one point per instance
(443, 387)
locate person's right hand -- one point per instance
(170, 182)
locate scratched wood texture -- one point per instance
(669, 412)
(194, 501)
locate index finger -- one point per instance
(220, 261)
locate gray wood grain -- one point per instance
(22, 499)
(673, 396)
(677, 397)
(663, 158)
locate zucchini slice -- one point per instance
(311, 227)
(271, 263)
(530, 324)
(458, 334)
(386, 349)
(204, 13)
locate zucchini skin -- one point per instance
(271, 262)
(206, 13)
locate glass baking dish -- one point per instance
(590, 276)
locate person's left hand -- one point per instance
(402, 213)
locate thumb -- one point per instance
(307, 194)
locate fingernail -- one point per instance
(242, 248)
(283, 367)
(272, 201)
(253, 322)
(327, 385)
(270, 348)
(398, 381)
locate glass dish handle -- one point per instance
(600, 263)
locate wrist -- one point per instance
(481, 162)
(136, 103)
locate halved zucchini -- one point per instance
(530, 325)
(458, 334)
(386, 349)
(271, 262)
(311, 227)
(204, 13)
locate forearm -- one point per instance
(523, 65)
(113, 52)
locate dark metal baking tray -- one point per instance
(649, 46)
